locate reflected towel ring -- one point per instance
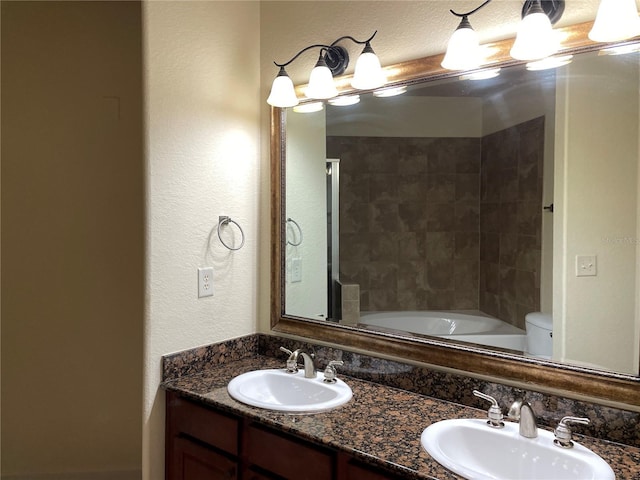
(291, 220)
(225, 220)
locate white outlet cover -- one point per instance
(205, 282)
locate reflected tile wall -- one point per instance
(410, 221)
(443, 223)
(511, 221)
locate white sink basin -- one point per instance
(288, 392)
(472, 449)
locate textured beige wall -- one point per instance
(72, 237)
(202, 112)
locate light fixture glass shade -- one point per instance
(535, 39)
(283, 93)
(368, 73)
(616, 20)
(321, 84)
(463, 50)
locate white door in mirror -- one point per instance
(472, 449)
(276, 389)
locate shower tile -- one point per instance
(489, 304)
(508, 185)
(383, 188)
(508, 311)
(355, 246)
(381, 158)
(529, 184)
(525, 287)
(467, 245)
(529, 254)
(411, 217)
(441, 188)
(412, 188)
(440, 217)
(382, 276)
(411, 276)
(508, 217)
(468, 155)
(467, 188)
(490, 273)
(442, 160)
(383, 217)
(529, 217)
(353, 218)
(380, 300)
(467, 218)
(354, 187)
(411, 163)
(440, 274)
(490, 247)
(440, 246)
(489, 186)
(439, 300)
(508, 249)
(354, 272)
(508, 287)
(490, 218)
(384, 247)
(409, 246)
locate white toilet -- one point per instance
(539, 328)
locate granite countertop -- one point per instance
(381, 425)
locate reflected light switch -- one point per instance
(586, 266)
(296, 270)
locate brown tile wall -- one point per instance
(409, 221)
(421, 228)
(510, 221)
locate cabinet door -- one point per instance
(192, 461)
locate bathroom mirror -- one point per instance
(548, 260)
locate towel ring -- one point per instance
(225, 220)
(291, 220)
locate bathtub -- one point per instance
(464, 327)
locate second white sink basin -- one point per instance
(472, 449)
(288, 392)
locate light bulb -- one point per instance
(535, 39)
(283, 93)
(368, 73)
(616, 20)
(321, 84)
(463, 49)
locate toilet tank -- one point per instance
(539, 328)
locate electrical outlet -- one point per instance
(205, 282)
(296, 270)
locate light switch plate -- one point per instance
(586, 266)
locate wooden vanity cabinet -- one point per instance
(203, 443)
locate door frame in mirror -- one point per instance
(546, 376)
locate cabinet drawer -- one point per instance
(355, 471)
(195, 462)
(213, 428)
(286, 456)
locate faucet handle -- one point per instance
(563, 431)
(330, 371)
(494, 414)
(292, 361)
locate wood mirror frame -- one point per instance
(567, 380)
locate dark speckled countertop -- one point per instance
(381, 425)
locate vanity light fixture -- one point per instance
(535, 38)
(344, 101)
(390, 91)
(333, 60)
(616, 20)
(549, 62)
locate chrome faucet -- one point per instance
(522, 412)
(292, 362)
